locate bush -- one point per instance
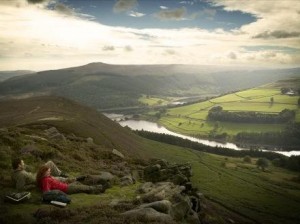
(247, 159)
(262, 163)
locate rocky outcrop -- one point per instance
(168, 196)
(161, 170)
(54, 134)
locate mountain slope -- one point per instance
(71, 117)
(108, 86)
(9, 74)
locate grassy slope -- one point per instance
(191, 119)
(267, 197)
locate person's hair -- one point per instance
(16, 162)
(40, 175)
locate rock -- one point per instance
(53, 134)
(146, 187)
(159, 191)
(102, 178)
(126, 180)
(163, 206)
(118, 153)
(90, 141)
(148, 215)
(179, 179)
(162, 171)
(28, 149)
(179, 210)
(192, 218)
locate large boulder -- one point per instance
(148, 215)
(160, 170)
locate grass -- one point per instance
(192, 119)
(267, 197)
(153, 101)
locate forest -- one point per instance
(218, 114)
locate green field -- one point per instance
(267, 197)
(153, 101)
(192, 119)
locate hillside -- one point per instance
(230, 184)
(9, 74)
(71, 117)
(105, 86)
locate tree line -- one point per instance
(292, 163)
(218, 114)
(288, 139)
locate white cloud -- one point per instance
(33, 37)
(163, 7)
(136, 14)
(275, 19)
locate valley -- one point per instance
(231, 185)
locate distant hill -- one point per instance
(109, 86)
(4, 75)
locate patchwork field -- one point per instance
(192, 119)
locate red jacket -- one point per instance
(49, 183)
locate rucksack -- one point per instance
(55, 195)
(17, 197)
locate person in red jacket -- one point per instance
(47, 183)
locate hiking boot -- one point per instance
(81, 178)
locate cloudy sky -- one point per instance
(51, 34)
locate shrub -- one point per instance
(247, 159)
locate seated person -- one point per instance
(47, 183)
(24, 180)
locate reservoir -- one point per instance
(154, 127)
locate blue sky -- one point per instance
(145, 14)
(50, 34)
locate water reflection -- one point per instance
(154, 127)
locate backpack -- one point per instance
(17, 197)
(55, 195)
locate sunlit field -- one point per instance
(192, 119)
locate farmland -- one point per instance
(192, 119)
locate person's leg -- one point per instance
(55, 171)
(74, 188)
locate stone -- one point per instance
(192, 218)
(102, 178)
(147, 215)
(118, 153)
(126, 180)
(163, 206)
(179, 210)
(90, 141)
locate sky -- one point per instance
(52, 34)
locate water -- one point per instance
(154, 127)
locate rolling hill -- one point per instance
(266, 100)
(230, 184)
(110, 86)
(9, 74)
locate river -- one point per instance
(154, 127)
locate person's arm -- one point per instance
(24, 180)
(46, 184)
